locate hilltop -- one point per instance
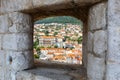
(60, 19)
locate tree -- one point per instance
(67, 38)
(36, 43)
(55, 33)
(55, 46)
(80, 39)
(49, 47)
(46, 33)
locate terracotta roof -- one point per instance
(47, 37)
(59, 58)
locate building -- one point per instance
(47, 41)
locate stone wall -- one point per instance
(16, 49)
(101, 45)
(113, 57)
(97, 42)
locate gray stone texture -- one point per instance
(22, 41)
(16, 44)
(1, 41)
(4, 24)
(97, 42)
(20, 23)
(32, 5)
(100, 43)
(2, 64)
(97, 16)
(16, 37)
(113, 57)
(95, 68)
(43, 74)
(19, 60)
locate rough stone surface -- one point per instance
(21, 41)
(2, 64)
(43, 74)
(30, 5)
(19, 60)
(97, 22)
(20, 23)
(100, 43)
(4, 24)
(90, 42)
(97, 42)
(16, 36)
(2, 72)
(2, 58)
(16, 44)
(113, 57)
(1, 39)
(95, 68)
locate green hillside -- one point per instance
(60, 19)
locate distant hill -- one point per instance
(60, 19)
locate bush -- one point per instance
(36, 56)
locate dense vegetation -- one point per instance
(60, 19)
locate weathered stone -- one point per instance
(113, 57)
(86, 2)
(30, 5)
(2, 65)
(1, 39)
(113, 71)
(21, 23)
(62, 4)
(95, 68)
(97, 16)
(22, 41)
(8, 41)
(2, 58)
(4, 24)
(19, 60)
(90, 42)
(43, 74)
(8, 5)
(100, 43)
(2, 73)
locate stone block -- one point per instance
(97, 16)
(52, 5)
(113, 57)
(2, 64)
(21, 41)
(24, 75)
(19, 60)
(5, 23)
(90, 41)
(100, 43)
(2, 73)
(114, 13)
(1, 39)
(9, 42)
(113, 70)
(24, 41)
(2, 58)
(95, 68)
(43, 74)
(21, 23)
(12, 6)
(85, 2)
